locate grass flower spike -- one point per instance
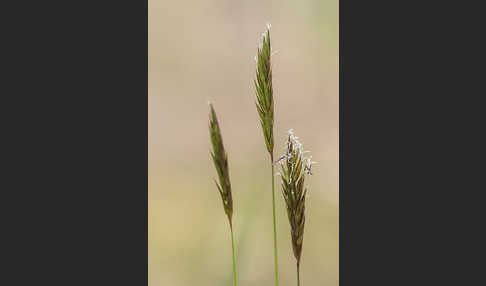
(264, 90)
(294, 168)
(264, 105)
(220, 160)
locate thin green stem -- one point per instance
(234, 258)
(298, 275)
(274, 224)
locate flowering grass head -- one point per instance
(294, 167)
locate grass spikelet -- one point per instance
(220, 160)
(294, 168)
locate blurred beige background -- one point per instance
(203, 50)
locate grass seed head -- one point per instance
(264, 90)
(220, 160)
(294, 167)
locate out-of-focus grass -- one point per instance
(203, 50)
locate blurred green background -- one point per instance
(203, 50)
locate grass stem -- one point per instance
(298, 275)
(234, 257)
(274, 225)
